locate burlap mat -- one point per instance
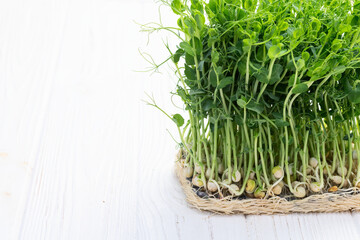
(320, 203)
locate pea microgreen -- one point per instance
(271, 89)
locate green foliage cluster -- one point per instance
(272, 92)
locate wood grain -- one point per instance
(81, 156)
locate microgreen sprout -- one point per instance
(271, 89)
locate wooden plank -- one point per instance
(81, 157)
(260, 227)
(226, 227)
(356, 220)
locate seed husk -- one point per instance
(236, 177)
(227, 181)
(252, 175)
(259, 193)
(188, 171)
(340, 170)
(250, 186)
(179, 155)
(250, 195)
(182, 161)
(278, 172)
(197, 168)
(315, 187)
(234, 189)
(277, 189)
(212, 186)
(313, 162)
(299, 192)
(336, 179)
(281, 184)
(197, 181)
(355, 155)
(208, 173)
(294, 183)
(333, 189)
(221, 168)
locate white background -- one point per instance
(81, 156)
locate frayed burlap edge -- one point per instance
(322, 203)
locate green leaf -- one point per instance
(191, 25)
(213, 78)
(277, 115)
(276, 74)
(277, 41)
(241, 103)
(300, 88)
(189, 59)
(177, 7)
(256, 26)
(261, 53)
(355, 21)
(214, 56)
(221, 17)
(197, 5)
(281, 123)
(339, 69)
(262, 75)
(207, 104)
(315, 25)
(180, 23)
(273, 52)
(190, 73)
(354, 95)
(225, 82)
(248, 4)
(200, 20)
(241, 13)
(177, 55)
(269, 32)
(272, 96)
(213, 5)
(190, 83)
(298, 33)
(198, 45)
(178, 120)
(212, 32)
(344, 28)
(336, 45)
(300, 64)
(283, 26)
(181, 92)
(247, 45)
(292, 80)
(305, 55)
(354, 92)
(256, 107)
(252, 105)
(290, 66)
(186, 46)
(211, 41)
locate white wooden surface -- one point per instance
(81, 156)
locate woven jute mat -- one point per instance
(319, 203)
